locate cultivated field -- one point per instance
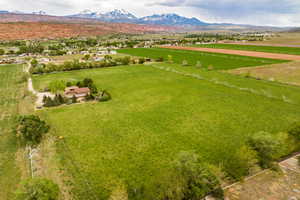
(253, 54)
(269, 49)
(12, 102)
(157, 111)
(218, 61)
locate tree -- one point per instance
(34, 63)
(86, 57)
(2, 52)
(38, 189)
(194, 180)
(266, 146)
(241, 162)
(295, 131)
(31, 128)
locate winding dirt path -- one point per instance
(239, 52)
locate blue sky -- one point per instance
(257, 12)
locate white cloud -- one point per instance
(258, 12)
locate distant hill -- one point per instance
(36, 26)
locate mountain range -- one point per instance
(122, 16)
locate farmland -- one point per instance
(268, 49)
(288, 73)
(218, 61)
(12, 102)
(132, 140)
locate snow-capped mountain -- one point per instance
(171, 19)
(122, 16)
(116, 15)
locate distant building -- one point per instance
(79, 93)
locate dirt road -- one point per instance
(239, 52)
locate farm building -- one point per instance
(79, 93)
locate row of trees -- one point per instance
(76, 65)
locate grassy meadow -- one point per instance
(156, 112)
(218, 61)
(11, 102)
(268, 49)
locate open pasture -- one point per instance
(218, 61)
(269, 49)
(131, 141)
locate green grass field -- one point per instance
(10, 97)
(269, 49)
(133, 139)
(218, 61)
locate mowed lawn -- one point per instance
(154, 114)
(269, 49)
(218, 61)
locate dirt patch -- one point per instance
(238, 52)
(270, 185)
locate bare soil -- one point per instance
(238, 52)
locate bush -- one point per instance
(295, 131)
(199, 65)
(31, 128)
(38, 189)
(267, 147)
(185, 63)
(194, 179)
(170, 59)
(160, 59)
(142, 60)
(241, 163)
(104, 96)
(2, 52)
(210, 67)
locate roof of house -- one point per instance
(76, 90)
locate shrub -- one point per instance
(195, 179)
(170, 59)
(104, 96)
(142, 60)
(295, 131)
(199, 64)
(267, 147)
(241, 163)
(31, 128)
(38, 189)
(210, 67)
(160, 59)
(2, 52)
(185, 63)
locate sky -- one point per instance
(256, 12)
